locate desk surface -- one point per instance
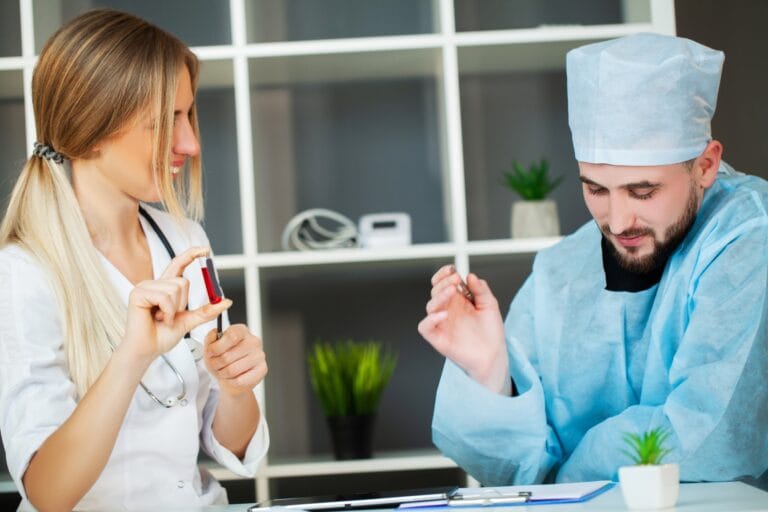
(706, 497)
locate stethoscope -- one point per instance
(195, 346)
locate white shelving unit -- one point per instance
(267, 86)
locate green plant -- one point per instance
(647, 448)
(349, 377)
(532, 184)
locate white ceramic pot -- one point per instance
(650, 487)
(532, 219)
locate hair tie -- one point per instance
(47, 152)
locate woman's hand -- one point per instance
(236, 360)
(470, 335)
(157, 315)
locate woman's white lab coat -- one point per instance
(154, 461)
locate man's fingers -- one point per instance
(483, 295)
(430, 323)
(444, 271)
(177, 265)
(440, 301)
(449, 280)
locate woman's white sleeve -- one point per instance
(255, 451)
(36, 394)
(259, 443)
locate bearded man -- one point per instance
(652, 316)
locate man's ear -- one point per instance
(708, 163)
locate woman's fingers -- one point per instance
(149, 297)
(177, 287)
(177, 265)
(236, 367)
(237, 358)
(169, 296)
(190, 319)
(231, 337)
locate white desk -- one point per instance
(709, 497)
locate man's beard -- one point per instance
(661, 250)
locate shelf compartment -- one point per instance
(333, 62)
(295, 20)
(11, 84)
(204, 22)
(382, 301)
(515, 116)
(351, 146)
(12, 140)
(10, 30)
(474, 15)
(540, 49)
(218, 132)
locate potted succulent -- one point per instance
(348, 379)
(534, 215)
(649, 484)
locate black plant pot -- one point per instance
(352, 436)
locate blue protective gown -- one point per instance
(689, 354)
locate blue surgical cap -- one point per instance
(645, 99)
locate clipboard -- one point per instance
(362, 500)
(543, 494)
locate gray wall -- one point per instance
(739, 29)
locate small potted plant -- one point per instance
(649, 484)
(534, 215)
(348, 378)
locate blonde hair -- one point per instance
(95, 75)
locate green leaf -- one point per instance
(648, 447)
(531, 184)
(349, 377)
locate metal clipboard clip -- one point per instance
(487, 497)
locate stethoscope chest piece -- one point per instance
(195, 348)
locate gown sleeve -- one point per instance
(499, 440)
(715, 405)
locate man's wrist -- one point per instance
(496, 377)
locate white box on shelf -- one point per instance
(381, 230)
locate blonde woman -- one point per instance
(103, 402)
